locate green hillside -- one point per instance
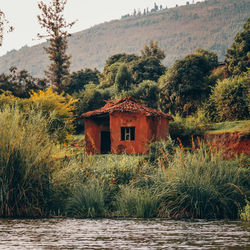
(210, 25)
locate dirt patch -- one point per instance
(230, 143)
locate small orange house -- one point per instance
(124, 125)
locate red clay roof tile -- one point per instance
(126, 104)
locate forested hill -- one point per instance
(210, 25)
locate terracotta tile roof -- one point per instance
(126, 104)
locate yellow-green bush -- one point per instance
(58, 109)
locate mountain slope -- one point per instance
(210, 25)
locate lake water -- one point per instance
(122, 234)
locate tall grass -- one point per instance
(202, 185)
(196, 184)
(25, 164)
(87, 201)
(136, 202)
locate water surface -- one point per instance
(122, 234)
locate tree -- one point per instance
(122, 57)
(185, 85)
(146, 92)
(231, 98)
(112, 65)
(123, 78)
(20, 83)
(153, 50)
(53, 21)
(77, 80)
(3, 23)
(238, 56)
(210, 56)
(146, 68)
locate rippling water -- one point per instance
(122, 234)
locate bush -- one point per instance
(185, 129)
(56, 109)
(26, 163)
(231, 98)
(203, 185)
(161, 152)
(87, 201)
(245, 213)
(135, 202)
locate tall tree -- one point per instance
(153, 50)
(3, 22)
(238, 56)
(53, 21)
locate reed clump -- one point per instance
(25, 163)
(86, 201)
(202, 184)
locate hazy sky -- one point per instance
(22, 14)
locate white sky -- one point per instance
(22, 14)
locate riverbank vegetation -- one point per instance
(45, 171)
(40, 178)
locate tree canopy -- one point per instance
(77, 80)
(21, 83)
(123, 79)
(185, 85)
(238, 56)
(153, 50)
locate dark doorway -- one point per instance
(105, 142)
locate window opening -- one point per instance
(127, 133)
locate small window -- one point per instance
(127, 133)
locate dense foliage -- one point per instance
(21, 83)
(26, 164)
(211, 25)
(56, 108)
(230, 99)
(185, 85)
(77, 80)
(238, 56)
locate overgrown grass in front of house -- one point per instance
(40, 179)
(25, 163)
(86, 201)
(196, 184)
(202, 184)
(136, 202)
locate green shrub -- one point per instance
(57, 109)
(245, 213)
(231, 98)
(87, 201)
(202, 185)
(185, 129)
(26, 163)
(161, 151)
(135, 202)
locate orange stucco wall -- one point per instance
(158, 128)
(93, 130)
(122, 119)
(147, 129)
